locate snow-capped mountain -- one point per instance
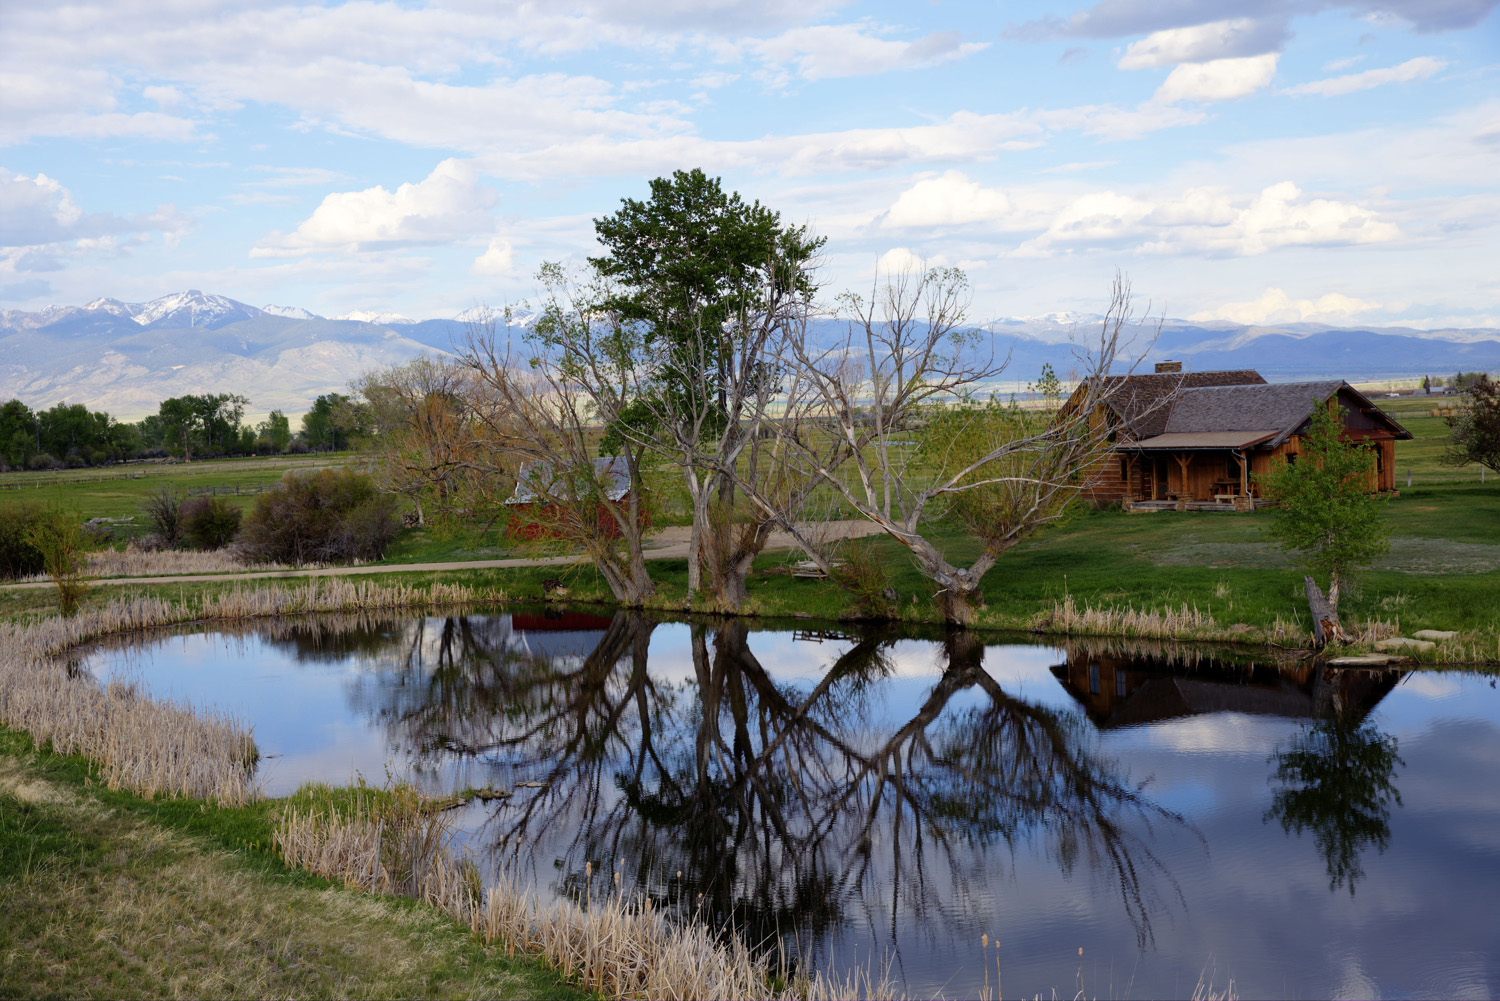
(112, 306)
(295, 312)
(125, 357)
(194, 309)
(371, 316)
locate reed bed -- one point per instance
(135, 562)
(155, 747)
(622, 947)
(1068, 618)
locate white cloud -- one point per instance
(1419, 68)
(1219, 80)
(498, 259)
(39, 212)
(900, 260)
(1334, 65)
(947, 200)
(843, 50)
(448, 205)
(1237, 37)
(1208, 220)
(1275, 306)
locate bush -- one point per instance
(327, 516)
(163, 509)
(18, 557)
(209, 523)
(867, 578)
(59, 536)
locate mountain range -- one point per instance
(125, 357)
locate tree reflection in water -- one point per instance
(774, 808)
(1337, 782)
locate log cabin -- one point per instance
(1198, 440)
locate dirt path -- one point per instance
(670, 543)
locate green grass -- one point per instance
(105, 894)
(119, 491)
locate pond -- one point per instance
(863, 793)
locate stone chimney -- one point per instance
(1168, 366)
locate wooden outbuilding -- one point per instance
(1199, 439)
(533, 507)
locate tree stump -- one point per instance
(1325, 620)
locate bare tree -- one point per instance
(422, 435)
(558, 394)
(898, 392)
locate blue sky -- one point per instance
(1249, 160)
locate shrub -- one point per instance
(866, 578)
(327, 516)
(59, 536)
(209, 522)
(163, 509)
(18, 557)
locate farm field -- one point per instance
(119, 491)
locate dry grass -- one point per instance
(153, 747)
(134, 562)
(619, 946)
(1067, 618)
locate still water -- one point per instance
(1303, 832)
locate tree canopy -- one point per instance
(1476, 428)
(1326, 512)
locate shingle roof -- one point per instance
(1202, 439)
(1142, 401)
(1276, 408)
(535, 479)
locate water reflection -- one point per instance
(860, 792)
(774, 807)
(1337, 782)
(1336, 776)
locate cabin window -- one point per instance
(1093, 679)
(1124, 470)
(1379, 459)
(1291, 458)
(1120, 683)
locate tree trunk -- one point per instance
(696, 538)
(959, 597)
(1324, 615)
(627, 577)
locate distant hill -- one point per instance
(126, 357)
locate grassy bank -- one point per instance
(105, 894)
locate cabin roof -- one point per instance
(1280, 407)
(1239, 416)
(535, 479)
(1204, 439)
(1142, 401)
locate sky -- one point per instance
(1258, 161)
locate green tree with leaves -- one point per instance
(192, 424)
(18, 433)
(276, 429)
(331, 423)
(1327, 513)
(1475, 429)
(59, 536)
(709, 282)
